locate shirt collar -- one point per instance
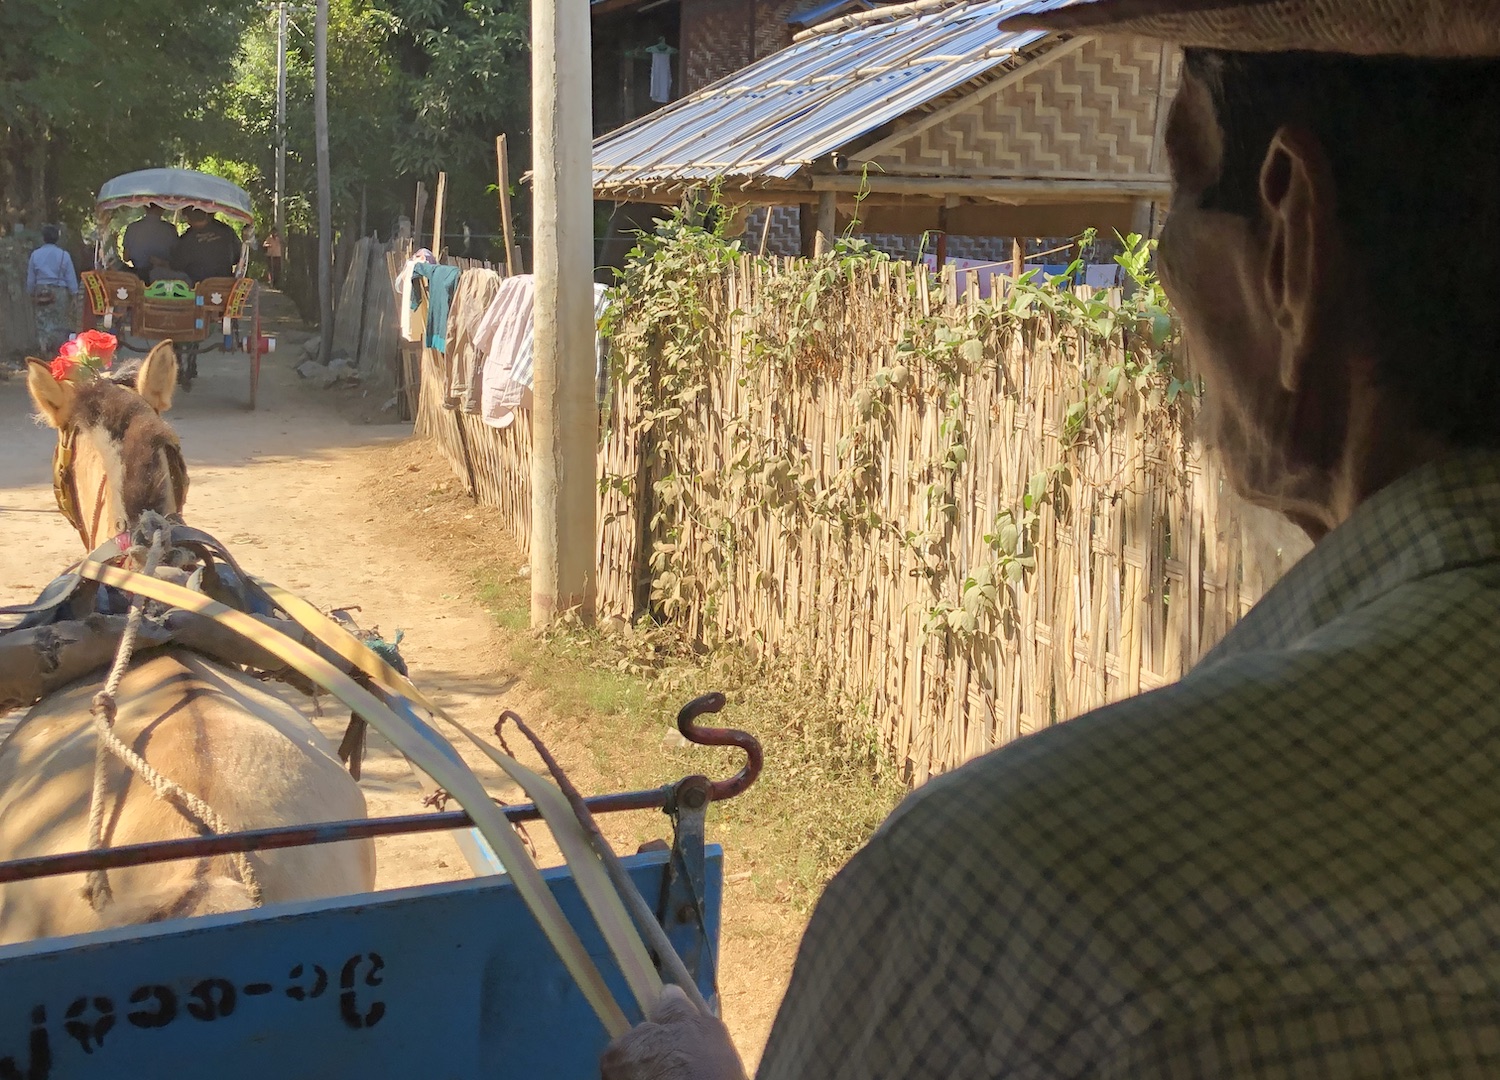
(1442, 516)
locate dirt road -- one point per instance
(287, 488)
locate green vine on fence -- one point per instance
(672, 329)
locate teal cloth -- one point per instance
(442, 281)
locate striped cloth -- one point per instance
(523, 365)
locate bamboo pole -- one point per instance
(438, 206)
(502, 172)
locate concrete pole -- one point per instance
(565, 419)
(280, 214)
(325, 182)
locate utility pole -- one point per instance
(565, 418)
(325, 183)
(280, 214)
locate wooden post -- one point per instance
(325, 183)
(416, 221)
(827, 223)
(502, 172)
(565, 419)
(437, 214)
(1140, 217)
(1017, 257)
(942, 237)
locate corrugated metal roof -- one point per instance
(812, 12)
(814, 97)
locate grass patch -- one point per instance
(825, 787)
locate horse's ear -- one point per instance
(53, 398)
(157, 379)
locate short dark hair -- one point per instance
(1414, 146)
(50, 234)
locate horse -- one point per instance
(210, 728)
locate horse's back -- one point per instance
(220, 735)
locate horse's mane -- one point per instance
(155, 476)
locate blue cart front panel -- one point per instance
(436, 982)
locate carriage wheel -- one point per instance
(254, 346)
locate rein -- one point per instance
(65, 485)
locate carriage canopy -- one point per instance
(175, 189)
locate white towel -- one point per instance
(661, 76)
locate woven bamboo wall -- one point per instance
(1092, 110)
(1143, 559)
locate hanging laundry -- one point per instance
(465, 368)
(525, 362)
(441, 281)
(504, 334)
(505, 337)
(661, 71)
(411, 322)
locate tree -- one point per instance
(466, 78)
(93, 88)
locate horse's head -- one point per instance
(116, 457)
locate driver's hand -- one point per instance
(676, 1043)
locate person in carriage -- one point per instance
(1283, 865)
(208, 248)
(148, 242)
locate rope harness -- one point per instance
(104, 710)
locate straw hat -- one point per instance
(1427, 28)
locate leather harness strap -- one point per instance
(65, 485)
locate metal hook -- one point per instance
(711, 736)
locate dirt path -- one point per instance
(287, 487)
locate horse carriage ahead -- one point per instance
(212, 313)
(187, 868)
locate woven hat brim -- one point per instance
(1437, 29)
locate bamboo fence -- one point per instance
(794, 508)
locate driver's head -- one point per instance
(195, 217)
(153, 210)
(1334, 236)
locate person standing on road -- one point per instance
(273, 258)
(51, 283)
(1287, 864)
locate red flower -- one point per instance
(99, 345)
(62, 367)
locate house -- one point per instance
(922, 119)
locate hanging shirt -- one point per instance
(661, 75)
(441, 282)
(410, 306)
(476, 291)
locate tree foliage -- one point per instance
(93, 88)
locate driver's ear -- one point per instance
(157, 379)
(1297, 202)
(53, 398)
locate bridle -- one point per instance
(65, 487)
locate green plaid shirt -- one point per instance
(1283, 866)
